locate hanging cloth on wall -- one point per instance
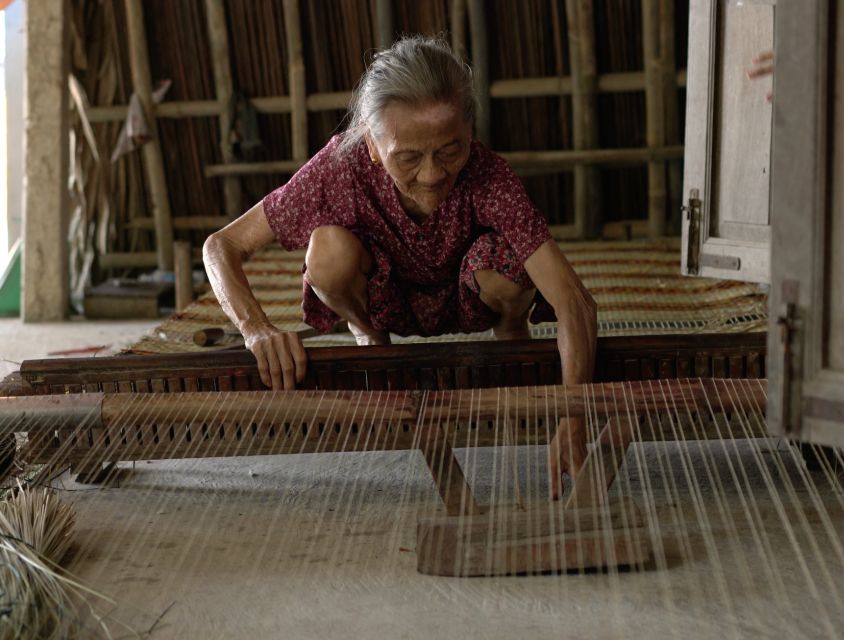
(135, 131)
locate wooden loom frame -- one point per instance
(454, 400)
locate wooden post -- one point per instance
(45, 273)
(218, 40)
(581, 33)
(457, 16)
(480, 68)
(654, 114)
(670, 115)
(296, 62)
(183, 267)
(151, 151)
(384, 23)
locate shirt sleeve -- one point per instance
(320, 193)
(502, 204)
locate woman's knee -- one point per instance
(335, 257)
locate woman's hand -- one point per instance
(281, 358)
(280, 355)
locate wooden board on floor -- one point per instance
(543, 538)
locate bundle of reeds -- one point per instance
(37, 599)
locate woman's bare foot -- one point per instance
(363, 338)
(512, 333)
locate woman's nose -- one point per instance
(430, 173)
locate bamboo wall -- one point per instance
(584, 97)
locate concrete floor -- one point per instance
(748, 543)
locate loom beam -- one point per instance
(90, 429)
(433, 366)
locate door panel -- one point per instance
(806, 338)
(726, 232)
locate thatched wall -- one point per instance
(527, 39)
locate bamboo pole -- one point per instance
(181, 109)
(219, 44)
(581, 34)
(457, 16)
(137, 259)
(384, 23)
(183, 271)
(480, 68)
(252, 168)
(128, 260)
(519, 160)
(151, 151)
(654, 114)
(671, 81)
(296, 62)
(329, 101)
(188, 223)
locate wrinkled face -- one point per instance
(423, 148)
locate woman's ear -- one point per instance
(373, 150)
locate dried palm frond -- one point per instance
(37, 599)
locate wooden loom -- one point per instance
(434, 398)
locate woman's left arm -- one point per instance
(577, 331)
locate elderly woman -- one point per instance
(411, 227)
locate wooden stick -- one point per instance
(296, 62)
(654, 114)
(151, 151)
(219, 44)
(480, 67)
(581, 32)
(183, 268)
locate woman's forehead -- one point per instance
(428, 123)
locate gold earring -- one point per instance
(374, 159)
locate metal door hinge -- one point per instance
(693, 215)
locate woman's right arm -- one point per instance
(280, 355)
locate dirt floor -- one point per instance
(747, 542)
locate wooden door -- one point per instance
(726, 184)
(806, 337)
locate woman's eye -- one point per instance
(408, 160)
(449, 155)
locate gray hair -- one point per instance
(415, 70)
